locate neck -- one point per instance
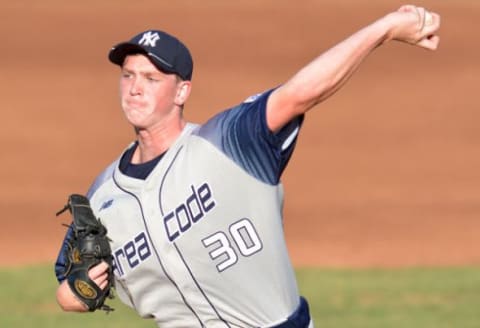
(156, 140)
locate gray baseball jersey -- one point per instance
(199, 242)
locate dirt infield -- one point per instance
(386, 173)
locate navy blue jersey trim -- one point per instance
(242, 134)
(156, 252)
(137, 171)
(300, 318)
(60, 263)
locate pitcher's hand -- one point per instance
(414, 25)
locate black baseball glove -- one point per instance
(87, 247)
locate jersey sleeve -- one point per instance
(61, 262)
(242, 134)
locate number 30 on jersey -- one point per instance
(244, 237)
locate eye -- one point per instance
(126, 75)
(152, 79)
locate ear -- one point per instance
(183, 92)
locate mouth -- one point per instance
(134, 103)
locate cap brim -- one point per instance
(120, 51)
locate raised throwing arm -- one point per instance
(327, 73)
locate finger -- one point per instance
(424, 17)
(430, 43)
(421, 14)
(428, 18)
(418, 14)
(431, 39)
(102, 281)
(103, 285)
(98, 270)
(433, 21)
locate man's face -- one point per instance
(147, 94)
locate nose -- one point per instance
(136, 87)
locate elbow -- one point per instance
(305, 97)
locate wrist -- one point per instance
(387, 26)
(67, 300)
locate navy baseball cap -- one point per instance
(165, 51)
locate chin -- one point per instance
(136, 117)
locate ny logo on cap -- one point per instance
(149, 39)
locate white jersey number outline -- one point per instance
(245, 237)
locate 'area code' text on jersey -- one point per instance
(133, 253)
(192, 210)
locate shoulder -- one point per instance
(105, 175)
(251, 110)
(241, 133)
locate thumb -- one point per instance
(430, 43)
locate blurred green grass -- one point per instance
(415, 297)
